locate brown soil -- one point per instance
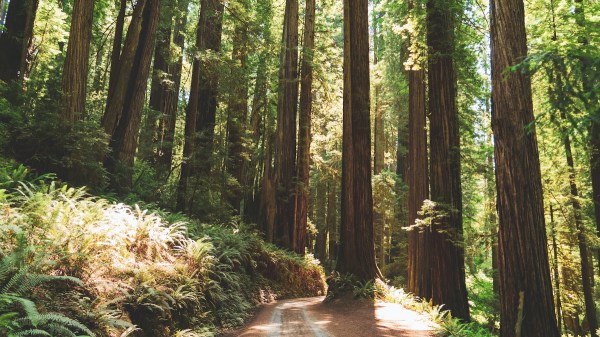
(345, 318)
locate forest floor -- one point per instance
(344, 318)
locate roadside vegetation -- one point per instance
(73, 264)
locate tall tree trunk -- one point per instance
(202, 106)
(379, 146)
(159, 133)
(75, 72)
(170, 97)
(526, 303)
(16, 39)
(209, 83)
(357, 245)
(446, 241)
(419, 270)
(238, 113)
(159, 85)
(285, 146)
(304, 131)
(556, 96)
(555, 269)
(594, 130)
(268, 198)
(331, 220)
(116, 47)
(321, 219)
(129, 95)
(189, 144)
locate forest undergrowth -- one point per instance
(74, 264)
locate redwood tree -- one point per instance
(285, 145)
(16, 38)
(357, 245)
(419, 275)
(202, 106)
(526, 304)
(446, 242)
(75, 71)
(304, 135)
(124, 108)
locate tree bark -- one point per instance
(159, 132)
(116, 47)
(16, 39)
(556, 95)
(285, 146)
(320, 219)
(304, 131)
(238, 113)
(202, 106)
(526, 303)
(446, 241)
(209, 82)
(331, 220)
(357, 245)
(129, 94)
(555, 269)
(75, 71)
(170, 97)
(419, 270)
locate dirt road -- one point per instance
(311, 317)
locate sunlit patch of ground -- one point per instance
(348, 318)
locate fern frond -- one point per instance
(8, 266)
(34, 280)
(59, 330)
(66, 321)
(28, 307)
(29, 332)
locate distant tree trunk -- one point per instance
(209, 84)
(75, 71)
(304, 131)
(158, 85)
(260, 111)
(238, 114)
(332, 220)
(16, 39)
(285, 146)
(201, 111)
(526, 304)
(379, 147)
(594, 129)
(555, 269)
(320, 219)
(124, 110)
(446, 241)
(116, 47)
(189, 144)
(268, 202)
(357, 245)
(170, 98)
(157, 144)
(556, 96)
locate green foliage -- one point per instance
(164, 276)
(19, 315)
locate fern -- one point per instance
(29, 332)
